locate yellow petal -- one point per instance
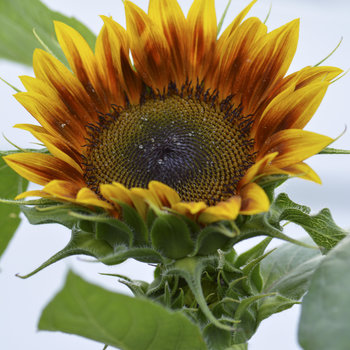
(257, 169)
(167, 196)
(254, 200)
(42, 168)
(189, 209)
(294, 146)
(226, 210)
(116, 192)
(88, 197)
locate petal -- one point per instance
(167, 196)
(294, 146)
(303, 171)
(34, 193)
(88, 197)
(290, 112)
(189, 209)
(202, 29)
(254, 200)
(257, 169)
(226, 210)
(267, 64)
(231, 55)
(167, 14)
(54, 117)
(42, 168)
(112, 53)
(230, 30)
(149, 47)
(116, 192)
(82, 61)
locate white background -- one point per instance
(21, 301)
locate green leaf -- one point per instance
(324, 322)
(18, 18)
(321, 227)
(118, 320)
(288, 270)
(11, 184)
(171, 236)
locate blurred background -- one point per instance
(323, 23)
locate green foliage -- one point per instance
(321, 227)
(118, 320)
(19, 18)
(11, 184)
(325, 313)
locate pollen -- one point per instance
(185, 138)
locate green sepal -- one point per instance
(50, 212)
(252, 253)
(115, 232)
(122, 253)
(270, 183)
(81, 243)
(212, 238)
(138, 226)
(272, 305)
(171, 236)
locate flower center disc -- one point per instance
(199, 148)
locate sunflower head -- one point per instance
(171, 122)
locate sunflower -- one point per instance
(167, 114)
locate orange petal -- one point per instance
(202, 31)
(54, 117)
(62, 85)
(226, 210)
(112, 54)
(149, 47)
(231, 55)
(291, 112)
(167, 14)
(42, 168)
(268, 63)
(82, 61)
(254, 200)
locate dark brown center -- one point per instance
(196, 146)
